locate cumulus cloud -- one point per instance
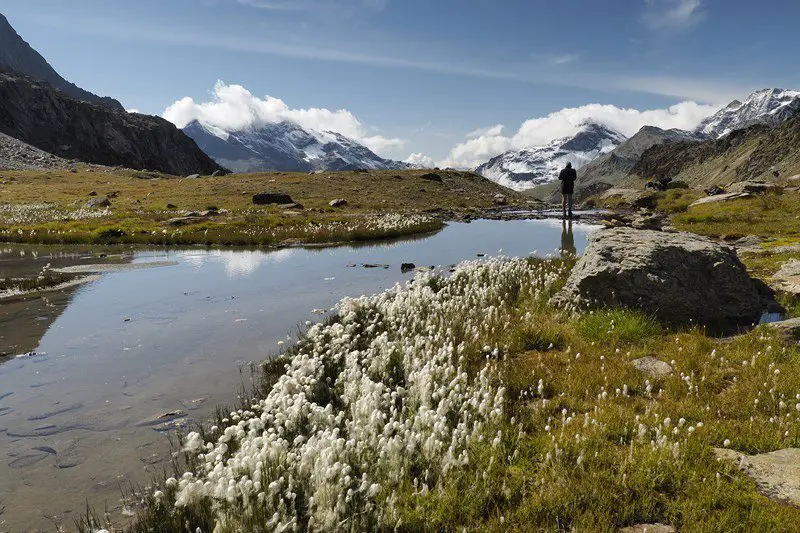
(235, 108)
(419, 159)
(491, 131)
(567, 122)
(672, 14)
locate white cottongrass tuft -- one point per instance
(364, 401)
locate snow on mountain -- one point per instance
(529, 167)
(767, 106)
(285, 146)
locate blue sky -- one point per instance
(420, 75)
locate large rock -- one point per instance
(787, 279)
(265, 198)
(789, 329)
(680, 278)
(777, 474)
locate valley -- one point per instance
(248, 314)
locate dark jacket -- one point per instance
(567, 178)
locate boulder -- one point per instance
(788, 329)
(339, 202)
(265, 198)
(680, 278)
(98, 202)
(787, 279)
(192, 176)
(499, 199)
(218, 173)
(720, 198)
(652, 367)
(407, 267)
(432, 176)
(753, 187)
(777, 474)
(635, 198)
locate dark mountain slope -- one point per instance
(19, 56)
(36, 113)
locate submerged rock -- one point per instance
(680, 278)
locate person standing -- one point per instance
(567, 178)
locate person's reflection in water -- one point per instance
(567, 240)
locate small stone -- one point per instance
(339, 202)
(652, 367)
(648, 528)
(172, 206)
(266, 198)
(98, 202)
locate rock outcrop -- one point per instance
(680, 278)
(777, 474)
(39, 115)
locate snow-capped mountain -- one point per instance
(526, 168)
(285, 146)
(767, 106)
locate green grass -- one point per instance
(769, 216)
(579, 440)
(48, 208)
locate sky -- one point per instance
(448, 82)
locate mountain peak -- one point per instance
(284, 146)
(529, 167)
(769, 106)
(20, 57)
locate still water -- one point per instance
(83, 416)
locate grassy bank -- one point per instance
(146, 208)
(468, 402)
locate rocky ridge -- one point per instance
(39, 115)
(18, 56)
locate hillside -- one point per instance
(18, 56)
(285, 146)
(751, 153)
(39, 115)
(608, 169)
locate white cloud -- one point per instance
(491, 131)
(419, 159)
(563, 59)
(235, 108)
(672, 14)
(567, 122)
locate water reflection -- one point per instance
(568, 248)
(137, 344)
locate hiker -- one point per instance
(567, 178)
